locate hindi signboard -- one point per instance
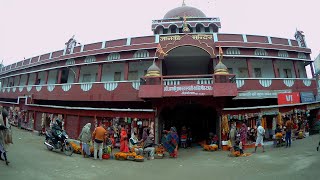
(188, 90)
(307, 97)
(260, 94)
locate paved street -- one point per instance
(31, 160)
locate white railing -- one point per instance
(174, 82)
(267, 82)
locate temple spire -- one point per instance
(183, 3)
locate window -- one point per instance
(133, 75)
(90, 59)
(243, 72)
(257, 72)
(283, 54)
(117, 76)
(260, 52)
(141, 54)
(287, 73)
(230, 70)
(113, 56)
(86, 78)
(302, 56)
(233, 51)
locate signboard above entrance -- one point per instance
(260, 94)
(188, 90)
(179, 37)
(307, 97)
(289, 98)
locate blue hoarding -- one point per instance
(307, 97)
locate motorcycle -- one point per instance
(60, 143)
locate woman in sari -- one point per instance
(171, 142)
(124, 141)
(243, 134)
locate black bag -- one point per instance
(98, 141)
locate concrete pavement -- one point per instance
(31, 160)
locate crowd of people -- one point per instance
(102, 140)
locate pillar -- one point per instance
(275, 68)
(296, 69)
(312, 70)
(126, 70)
(35, 120)
(77, 78)
(27, 81)
(249, 68)
(99, 73)
(59, 76)
(36, 79)
(19, 80)
(46, 78)
(156, 129)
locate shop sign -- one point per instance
(313, 106)
(307, 97)
(260, 94)
(270, 111)
(187, 90)
(289, 98)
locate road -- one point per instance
(31, 160)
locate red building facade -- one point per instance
(171, 78)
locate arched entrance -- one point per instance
(201, 119)
(187, 60)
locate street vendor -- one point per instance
(134, 144)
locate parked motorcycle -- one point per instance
(61, 142)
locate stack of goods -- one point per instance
(139, 158)
(225, 125)
(76, 148)
(279, 136)
(160, 152)
(213, 147)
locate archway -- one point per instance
(199, 118)
(187, 60)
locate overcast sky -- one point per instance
(33, 27)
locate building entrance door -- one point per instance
(198, 119)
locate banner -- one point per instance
(288, 98)
(188, 90)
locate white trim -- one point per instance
(50, 56)
(215, 37)
(30, 60)
(265, 57)
(277, 78)
(82, 47)
(39, 58)
(244, 37)
(269, 40)
(157, 38)
(103, 45)
(72, 65)
(289, 42)
(268, 107)
(76, 56)
(255, 47)
(128, 41)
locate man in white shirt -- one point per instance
(260, 134)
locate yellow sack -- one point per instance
(229, 143)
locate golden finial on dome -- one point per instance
(153, 70)
(183, 3)
(220, 67)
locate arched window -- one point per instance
(159, 30)
(233, 51)
(173, 29)
(90, 59)
(70, 62)
(302, 56)
(260, 52)
(141, 54)
(113, 56)
(283, 54)
(199, 28)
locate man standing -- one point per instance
(99, 137)
(289, 126)
(260, 134)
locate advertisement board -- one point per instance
(307, 97)
(288, 98)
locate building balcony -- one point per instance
(165, 86)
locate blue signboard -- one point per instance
(307, 97)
